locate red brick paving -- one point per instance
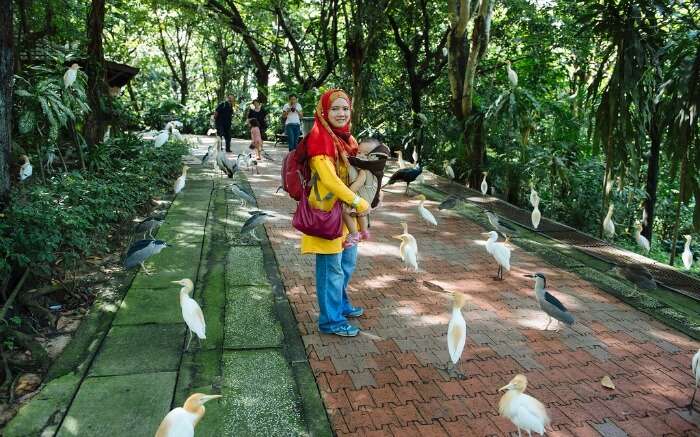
(390, 380)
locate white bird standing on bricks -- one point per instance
(550, 304)
(456, 331)
(524, 411)
(641, 240)
(408, 248)
(26, 169)
(695, 366)
(70, 75)
(499, 251)
(423, 211)
(608, 225)
(181, 421)
(484, 184)
(191, 312)
(180, 181)
(687, 255)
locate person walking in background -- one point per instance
(256, 141)
(223, 116)
(291, 113)
(260, 114)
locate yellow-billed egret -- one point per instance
(70, 75)
(408, 175)
(608, 225)
(402, 163)
(484, 184)
(408, 248)
(423, 211)
(550, 304)
(141, 250)
(512, 75)
(534, 196)
(449, 172)
(524, 411)
(456, 330)
(180, 181)
(687, 255)
(499, 251)
(161, 138)
(26, 169)
(641, 240)
(414, 154)
(536, 215)
(191, 312)
(181, 421)
(695, 366)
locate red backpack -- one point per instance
(295, 171)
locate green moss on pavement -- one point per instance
(250, 318)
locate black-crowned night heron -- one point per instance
(182, 420)
(256, 219)
(636, 274)
(502, 228)
(550, 304)
(206, 156)
(191, 312)
(245, 197)
(149, 224)
(524, 411)
(226, 165)
(499, 251)
(449, 203)
(141, 250)
(408, 175)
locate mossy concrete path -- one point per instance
(129, 366)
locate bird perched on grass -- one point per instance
(141, 250)
(26, 170)
(550, 304)
(149, 224)
(239, 192)
(70, 75)
(687, 255)
(181, 421)
(450, 202)
(191, 312)
(407, 175)
(408, 248)
(500, 252)
(256, 219)
(524, 411)
(180, 181)
(502, 228)
(636, 274)
(423, 211)
(449, 172)
(695, 366)
(456, 331)
(608, 224)
(484, 184)
(641, 240)
(161, 138)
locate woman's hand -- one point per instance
(362, 206)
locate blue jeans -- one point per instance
(333, 273)
(293, 131)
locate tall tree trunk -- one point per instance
(6, 71)
(652, 175)
(418, 134)
(677, 215)
(357, 59)
(262, 77)
(95, 124)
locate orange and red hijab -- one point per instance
(324, 139)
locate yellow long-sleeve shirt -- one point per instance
(328, 182)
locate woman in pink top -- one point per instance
(255, 137)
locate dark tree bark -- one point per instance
(96, 120)
(6, 72)
(181, 44)
(652, 174)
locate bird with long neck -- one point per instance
(191, 312)
(608, 224)
(181, 421)
(180, 181)
(534, 196)
(456, 331)
(26, 169)
(408, 248)
(484, 184)
(524, 411)
(512, 75)
(641, 240)
(402, 163)
(423, 211)
(500, 252)
(550, 304)
(536, 215)
(687, 255)
(449, 172)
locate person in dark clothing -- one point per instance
(223, 116)
(260, 114)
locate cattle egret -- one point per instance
(550, 304)
(26, 169)
(70, 75)
(512, 75)
(256, 219)
(408, 175)
(641, 240)
(161, 138)
(211, 132)
(149, 224)
(484, 185)
(534, 196)
(402, 163)
(181, 421)
(423, 211)
(408, 249)
(445, 52)
(177, 135)
(687, 255)
(457, 329)
(499, 251)
(536, 215)
(608, 225)
(141, 250)
(414, 154)
(524, 411)
(449, 172)
(191, 312)
(180, 182)
(695, 365)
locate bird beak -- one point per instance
(176, 282)
(529, 276)
(485, 233)
(506, 387)
(398, 237)
(208, 398)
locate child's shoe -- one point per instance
(365, 235)
(351, 240)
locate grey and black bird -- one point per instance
(149, 224)
(208, 154)
(450, 202)
(636, 274)
(141, 250)
(242, 194)
(226, 165)
(502, 228)
(407, 175)
(256, 219)
(267, 156)
(550, 304)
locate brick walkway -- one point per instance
(389, 380)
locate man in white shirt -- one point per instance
(291, 113)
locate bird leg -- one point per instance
(189, 340)
(453, 372)
(558, 326)
(548, 323)
(406, 192)
(145, 270)
(255, 236)
(690, 405)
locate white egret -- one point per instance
(457, 329)
(608, 225)
(641, 240)
(70, 75)
(161, 138)
(536, 215)
(402, 163)
(550, 304)
(687, 256)
(423, 211)
(524, 411)
(180, 182)
(177, 135)
(449, 172)
(695, 366)
(484, 184)
(50, 159)
(181, 421)
(191, 312)
(105, 137)
(408, 249)
(414, 154)
(26, 169)
(499, 251)
(534, 196)
(512, 75)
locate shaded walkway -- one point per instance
(389, 380)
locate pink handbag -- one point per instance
(316, 222)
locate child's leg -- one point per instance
(350, 222)
(363, 222)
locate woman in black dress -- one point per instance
(257, 112)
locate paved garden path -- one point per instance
(389, 380)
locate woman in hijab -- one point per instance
(329, 144)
